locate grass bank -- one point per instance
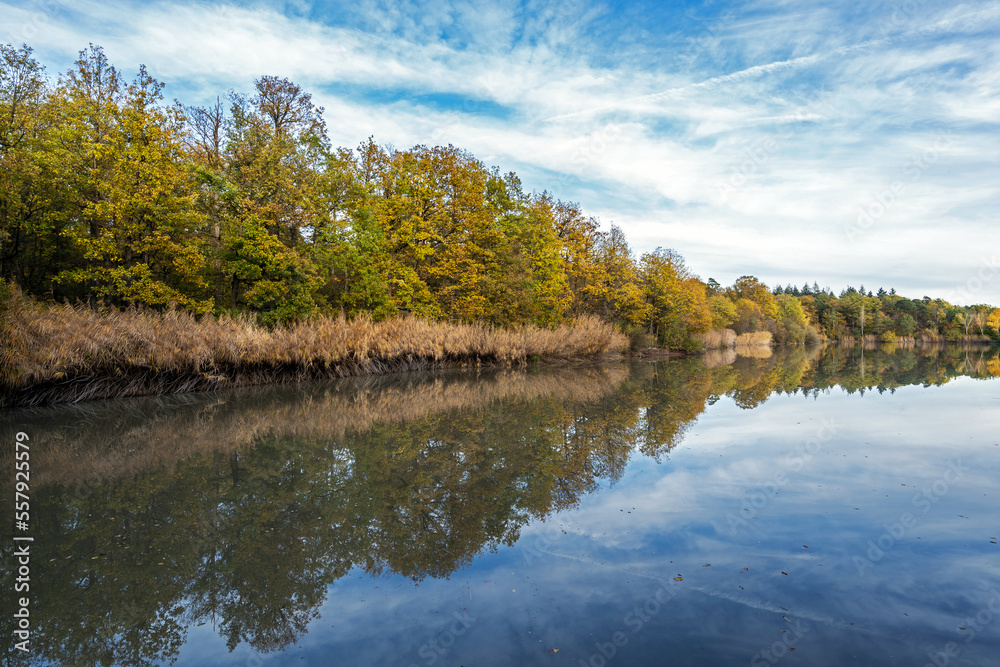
(62, 353)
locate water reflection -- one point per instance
(241, 510)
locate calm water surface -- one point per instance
(834, 507)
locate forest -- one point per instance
(113, 198)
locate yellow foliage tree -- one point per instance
(677, 304)
(136, 198)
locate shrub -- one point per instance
(638, 339)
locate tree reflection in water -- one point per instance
(241, 509)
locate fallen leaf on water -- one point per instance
(707, 565)
(785, 573)
(787, 619)
(678, 579)
(553, 650)
(804, 546)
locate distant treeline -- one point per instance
(109, 195)
(889, 316)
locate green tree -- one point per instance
(137, 201)
(32, 194)
(677, 303)
(723, 312)
(620, 294)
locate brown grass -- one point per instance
(71, 353)
(757, 338)
(717, 339)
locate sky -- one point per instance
(847, 143)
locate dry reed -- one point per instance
(716, 339)
(757, 338)
(58, 353)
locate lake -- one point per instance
(817, 506)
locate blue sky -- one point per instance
(842, 142)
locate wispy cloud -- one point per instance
(748, 135)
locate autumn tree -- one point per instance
(676, 302)
(752, 289)
(135, 195)
(261, 171)
(619, 293)
(31, 244)
(723, 311)
(579, 238)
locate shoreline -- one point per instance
(68, 354)
(56, 353)
(138, 383)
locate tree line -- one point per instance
(888, 316)
(109, 194)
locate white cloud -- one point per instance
(655, 129)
